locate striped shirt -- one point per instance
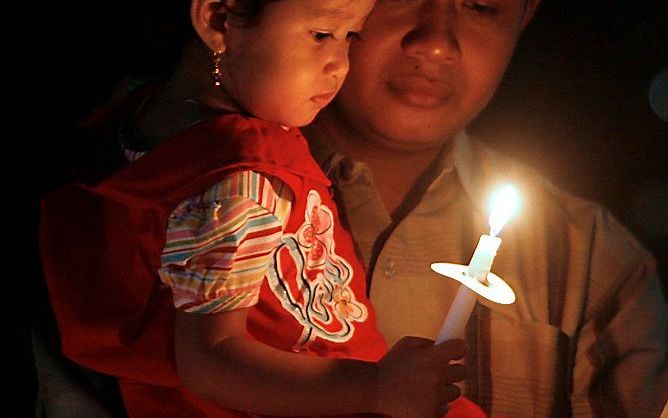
(219, 243)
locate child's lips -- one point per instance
(323, 99)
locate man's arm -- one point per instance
(61, 395)
(620, 364)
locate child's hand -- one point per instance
(415, 378)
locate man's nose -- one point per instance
(433, 37)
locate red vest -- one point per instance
(101, 244)
(101, 247)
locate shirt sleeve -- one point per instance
(620, 364)
(218, 244)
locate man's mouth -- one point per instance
(418, 91)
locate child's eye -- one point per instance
(321, 36)
(353, 35)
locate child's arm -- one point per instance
(217, 361)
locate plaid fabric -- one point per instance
(587, 334)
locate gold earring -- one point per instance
(217, 68)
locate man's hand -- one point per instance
(416, 379)
(61, 395)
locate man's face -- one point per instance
(425, 68)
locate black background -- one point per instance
(573, 105)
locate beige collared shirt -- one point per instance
(587, 334)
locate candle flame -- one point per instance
(505, 203)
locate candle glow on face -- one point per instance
(505, 204)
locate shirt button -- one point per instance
(389, 269)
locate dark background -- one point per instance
(574, 105)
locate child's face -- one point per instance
(291, 63)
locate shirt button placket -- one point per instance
(389, 269)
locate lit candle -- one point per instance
(476, 278)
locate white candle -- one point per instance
(474, 278)
(483, 256)
(464, 302)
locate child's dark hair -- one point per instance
(248, 11)
(160, 29)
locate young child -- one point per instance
(224, 203)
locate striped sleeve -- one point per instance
(219, 243)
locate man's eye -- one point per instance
(321, 36)
(353, 35)
(480, 7)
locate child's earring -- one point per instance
(217, 68)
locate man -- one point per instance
(587, 334)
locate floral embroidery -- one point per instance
(315, 235)
(312, 281)
(345, 305)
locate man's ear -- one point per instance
(209, 19)
(529, 11)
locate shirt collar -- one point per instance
(478, 173)
(321, 149)
(472, 173)
(482, 171)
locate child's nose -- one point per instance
(338, 63)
